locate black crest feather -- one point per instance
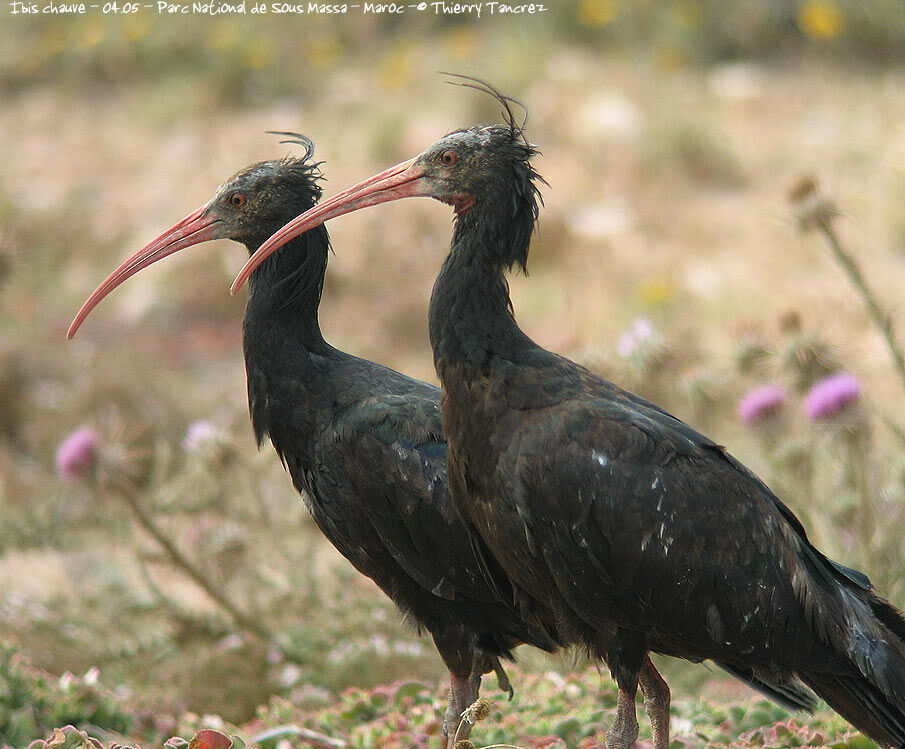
(506, 102)
(298, 139)
(304, 163)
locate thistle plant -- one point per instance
(816, 212)
(118, 464)
(831, 395)
(76, 456)
(835, 397)
(761, 403)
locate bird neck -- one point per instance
(287, 362)
(285, 292)
(471, 318)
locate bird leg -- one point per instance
(656, 703)
(626, 655)
(463, 692)
(624, 731)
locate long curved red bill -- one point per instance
(197, 227)
(400, 181)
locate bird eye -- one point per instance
(448, 158)
(237, 200)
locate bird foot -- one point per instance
(502, 679)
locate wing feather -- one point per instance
(394, 455)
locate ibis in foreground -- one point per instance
(639, 533)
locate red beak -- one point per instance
(400, 181)
(197, 227)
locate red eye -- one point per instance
(237, 200)
(448, 158)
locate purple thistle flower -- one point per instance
(199, 434)
(640, 332)
(76, 454)
(760, 402)
(830, 395)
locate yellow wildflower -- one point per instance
(820, 19)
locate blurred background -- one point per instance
(668, 257)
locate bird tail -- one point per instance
(790, 693)
(864, 706)
(867, 686)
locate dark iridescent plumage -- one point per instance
(639, 532)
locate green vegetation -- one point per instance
(548, 711)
